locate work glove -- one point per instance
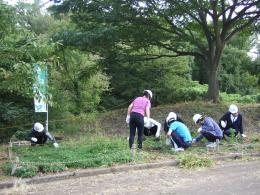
(243, 135)
(56, 145)
(34, 139)
(223, 124)
(127, 119)
(199, 130)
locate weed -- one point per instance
(192, 161)
(88, 152)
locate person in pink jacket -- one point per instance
(136, 112)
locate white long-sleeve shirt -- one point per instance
(149, 123)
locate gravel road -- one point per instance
(224, 178)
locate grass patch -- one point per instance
(98, 151)
(88, 152)
(189, 161)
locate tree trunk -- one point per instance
(213, 88)
(213, 60)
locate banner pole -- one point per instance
(47, 118)
(47, 98)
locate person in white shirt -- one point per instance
(152, 127)
(232, 122)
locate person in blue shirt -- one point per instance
(231, 122)
(178, 133)
(208, 129)
(166, 125)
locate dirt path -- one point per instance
(225, 178)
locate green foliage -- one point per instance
(235, 76)
(175, 85)
(93, 151)
(192, 161)
(24, 171)
(81, 154)
(7, 20)
(77, 83)
(100, 58)
(135, 29)
(20, 134)
(232, 137)
(169, 79)
(239, 99)
(12, 115)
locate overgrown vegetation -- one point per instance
(90, 151)
(97, 151)
(97, 64)
(93, 67)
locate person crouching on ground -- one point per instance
(231, 122)
(139, 108)
(166, 125)
(39, 135)
(152, 127)
(208, 128)
(178, 133)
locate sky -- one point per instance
(13, 2)
(43, 2)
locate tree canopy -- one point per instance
(178, 27)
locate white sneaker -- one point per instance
(211, 145)
(177, 149)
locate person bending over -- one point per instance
(39, 135)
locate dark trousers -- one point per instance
(177, 139)
(149, 132)
(209, 136)
(136, 122)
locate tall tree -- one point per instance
(183, 27)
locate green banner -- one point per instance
(40, 88)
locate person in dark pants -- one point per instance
(152, 127)
(178, 133)
(139, 108)
(208, 129)
(39, 135)
(232, 122)
(175, 116)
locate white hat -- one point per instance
(38, 127)
(149, 92)
(233, 108)
(196, 117)
(171, 115)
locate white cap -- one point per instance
(149, 92)
(233, 108)
(196, 117)
(171, 115)
(38, 127)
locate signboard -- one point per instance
(40, 88)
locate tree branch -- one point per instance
(250, 21)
